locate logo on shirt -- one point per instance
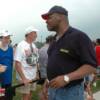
(28, 52)
(64, 50)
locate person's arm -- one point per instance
(18, 67)
(81, 72)
(87, 58)
(59, 81)
(44, 92)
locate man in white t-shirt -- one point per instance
(26, 56)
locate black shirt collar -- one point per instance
(69, 30)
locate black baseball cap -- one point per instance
(55, 9)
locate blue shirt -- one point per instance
(6, 58)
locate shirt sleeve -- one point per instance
(87, 51)
(18, 54)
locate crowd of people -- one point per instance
(68, 61)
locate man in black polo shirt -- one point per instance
(70, 57)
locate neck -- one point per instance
(28, 40)
(62, 29)
(3, 46)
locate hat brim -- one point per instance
(45, 16)
(6, 35)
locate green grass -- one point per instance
(97, 88)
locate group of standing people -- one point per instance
(69, 56)
(25, 61)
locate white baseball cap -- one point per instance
(5, 33)
(31, 29)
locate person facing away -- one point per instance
(70, 57)
(6, 61)
(26, 56)
(43, 57)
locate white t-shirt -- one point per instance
(23, 50)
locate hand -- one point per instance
(44, 92)
(26, 81)
(57, 82)
(43, 97)
(2, 68)
(89, 98)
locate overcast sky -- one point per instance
(17, 15)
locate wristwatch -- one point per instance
(66, 78)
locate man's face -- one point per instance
(53, 21)
(6, 40)
(33, 36)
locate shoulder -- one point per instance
(74, 35)
(98, 47)
(79, 35)
(22, 44)
(46, 46)
(42, 50)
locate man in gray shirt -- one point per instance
(43, 56)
